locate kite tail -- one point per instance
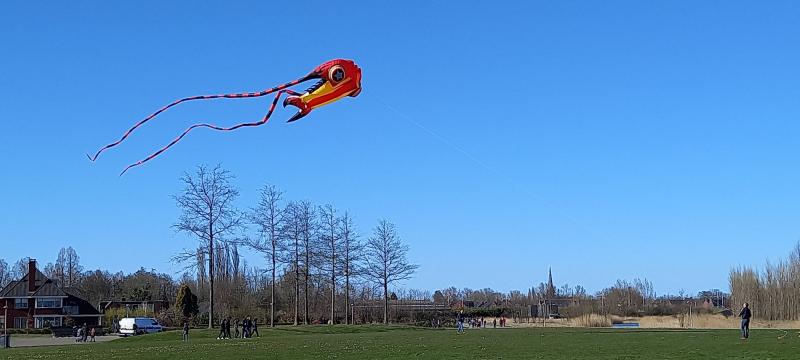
(199, 97)
(256, 123)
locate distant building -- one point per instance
(36, 301)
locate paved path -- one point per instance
(28, 340)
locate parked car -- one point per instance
(139, 326)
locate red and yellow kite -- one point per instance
(337, 79)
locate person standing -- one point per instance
(185, 330)
(255, 327)
(745, 314)
(92, 333)
(460, 321)
(85, 332)
(236, 328)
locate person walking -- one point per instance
(221, 330)
(85, 332)
(236, 328)
(745, 314)
(460, 322)
(185, 330)
(255, 327)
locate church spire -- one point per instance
(551, 289)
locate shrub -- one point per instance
(592, 320)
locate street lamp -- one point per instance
(5, 320)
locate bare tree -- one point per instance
(329, 247)
(268, 217)
(772, 290)
(5, 274)
(67, 267)
(352, 255)
(20, 268)
(386, 261)
(207, 213)
(293, 229)
(308, 221)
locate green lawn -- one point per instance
(378, 342)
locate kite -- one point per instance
(337, 79)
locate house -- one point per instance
(36, 301)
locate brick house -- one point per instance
(36, 301)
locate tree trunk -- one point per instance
(305, 285)
(296, 282)
(211, 281)
(385, 303)
(333, 292)
(346, 297)
(272, 292)
(333, 271)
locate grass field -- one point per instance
(379, 342)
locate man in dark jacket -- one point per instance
(745, 314)
(221, 330)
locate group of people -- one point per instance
(745, 314)
(85, 334)
(249, 328)
(476, 322)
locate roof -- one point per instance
(49, 289)
(75, 299)
(44, 287)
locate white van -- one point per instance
(138, 326)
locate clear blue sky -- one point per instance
(603, 139)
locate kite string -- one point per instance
(215, 127)
(198, 97)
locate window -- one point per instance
(70, 310)
(20, 303)
(20, 323)
(48, 303)
(46, 322)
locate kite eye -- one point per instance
(336, 74)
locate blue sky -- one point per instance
(606, 140)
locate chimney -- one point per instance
(31, 275)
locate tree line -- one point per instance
(301, 296)
(314, 246)
(773, 292)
